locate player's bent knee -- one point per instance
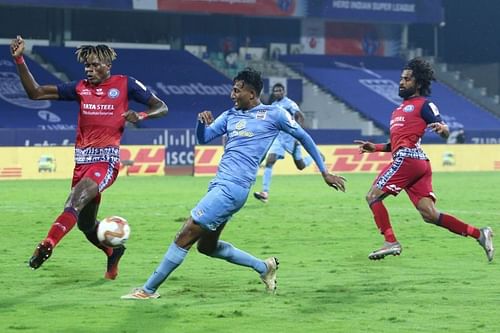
(85, 227)
(370, 199)
(206, 250)
(429, 217)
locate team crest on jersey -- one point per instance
(240, 125)
(113, 93)
(261, 114)
(409, 108)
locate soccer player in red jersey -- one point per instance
(103, 99)
(410, 169)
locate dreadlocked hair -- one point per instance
(423, 73)
(103, 52)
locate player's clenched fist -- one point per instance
(206, 117)
(17, 47)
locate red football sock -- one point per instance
(458, 227)
(62, 225)
(381, 217)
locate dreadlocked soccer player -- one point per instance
(411, 170)
(103, 99)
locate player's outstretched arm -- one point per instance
(208, 128)
(335, 181)
(157, 109)
(369, 147)
(32, 88)
(206, 117)
(441, 129)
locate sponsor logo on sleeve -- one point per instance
(261, 114)
(434, 109)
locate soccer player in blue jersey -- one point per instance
(284, 142)
(250, 127)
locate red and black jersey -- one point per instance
(100, 121)
(409, 121)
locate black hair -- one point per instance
(423, 73)
(251, 77)
(103, 52)
(279, 85)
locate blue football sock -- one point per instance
(236, 256)
(266, 179)
(173, 258)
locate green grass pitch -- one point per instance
(441, 283)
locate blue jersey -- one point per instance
(287, 104)
(292, 108)
(250, 133)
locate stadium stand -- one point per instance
(184, 82)
(370, 85)
(18, 111)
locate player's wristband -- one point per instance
(142, 115)
(19, 60)
(380, 147)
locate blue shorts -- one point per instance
(284, 142)
(222, 200)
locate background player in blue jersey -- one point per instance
(250, 127)
(284, 142)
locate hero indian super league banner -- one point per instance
(390, 11)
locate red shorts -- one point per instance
(409, 174)
(102, 173)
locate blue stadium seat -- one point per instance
(18, 111)
(370, 86)
(183, 81)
